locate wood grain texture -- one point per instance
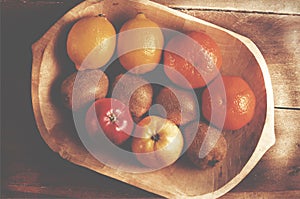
(24, 155)
(279, 168)
(264, 6)
(267, 195)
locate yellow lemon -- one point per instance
(91, 42)
(140, 44)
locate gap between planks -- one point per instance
(287, 108)
(186, 9)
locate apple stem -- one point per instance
(101, 15)
(112, 117)
(155, 137)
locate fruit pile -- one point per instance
(158, 122)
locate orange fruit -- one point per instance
(140, 44)
(91, 42)
(236, 104)
(195, 62)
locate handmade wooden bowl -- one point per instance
(240, 57)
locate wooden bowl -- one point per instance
(240, 57)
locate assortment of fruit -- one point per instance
(116, 106)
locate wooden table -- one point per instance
(30, 169)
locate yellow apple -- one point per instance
(157, 142)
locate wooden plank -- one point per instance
(263, 6)
(36, 3)
(279, 169)
(49, 175)
(278, 38)
(268, 195)
(46, 173)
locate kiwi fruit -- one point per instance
(133, 91)
(180, 106)
(213, 149)
(90, 86)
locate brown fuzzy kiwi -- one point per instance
(215, 142)
(87, 91)
(180, 105)
(139, 99)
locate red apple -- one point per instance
(111, 117)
